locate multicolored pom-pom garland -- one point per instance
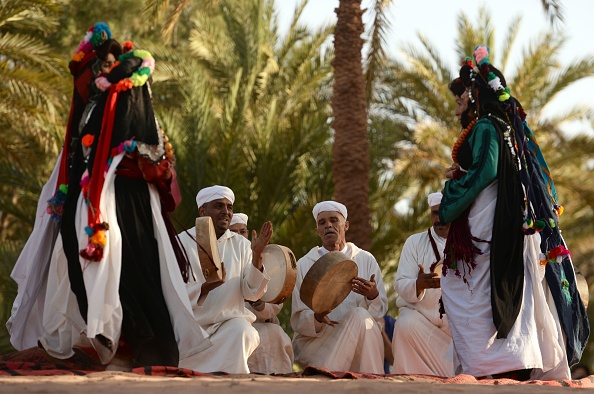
(55, 205)
(138, 78)
(481, 57)
(554, 255)
(97, 232)
(97, 241)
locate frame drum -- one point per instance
(438, 268)
(208, 249)
(281, 265)
(328, 282)
(582, 287)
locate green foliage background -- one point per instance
(248, 107)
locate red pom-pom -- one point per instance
(127, 46)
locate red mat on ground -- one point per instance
(35, 362)
(587, 382)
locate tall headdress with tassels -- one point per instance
(79, 67)
(92, 181)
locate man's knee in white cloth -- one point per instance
(240, 332)
(360, 316)
(407, 325)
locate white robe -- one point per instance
(355, 344)
(535, 338)
(62, 325)
(274, 354)
(222, 313)
(422, 342)
(30, 273)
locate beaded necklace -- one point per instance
(509, 138)
(461, 139)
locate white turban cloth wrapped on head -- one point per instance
(329, 206)
(434, 199)
(214, 193)
(239, 218)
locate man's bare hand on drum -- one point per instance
(258, 305)
(208, 286)
(259, 242)
(323, 318)
(367, 288)
(427, 281)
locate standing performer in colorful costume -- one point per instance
(506, 320)
(115, 277)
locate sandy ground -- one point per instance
(119, 382)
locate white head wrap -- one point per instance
(214, 193)
(329, 206)
(434, 199)
(239, 218)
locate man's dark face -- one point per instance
(440, 228)
(220, 211)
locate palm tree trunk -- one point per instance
(350, 163)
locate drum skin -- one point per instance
(328, 282)
(208, 249)
(281, 266)
(582, 286)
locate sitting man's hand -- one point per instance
(427, 281)
(258, 305)
(323, 318)
(367, 288)
(209, 286)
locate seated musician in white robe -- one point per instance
(274, 354)
(220, 308)
(349, 337)
(422, 340)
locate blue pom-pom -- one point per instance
(89, 231)
(101, 27)
(130, 147)
(101, 33)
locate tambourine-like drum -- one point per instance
(438, 269)
(328, 282)
(208, 249)
(582, 287)
(281, 265)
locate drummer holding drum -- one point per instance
(422, 340)
(274, 354)
(340, 334)
(241, 276)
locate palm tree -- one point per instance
(553, 9)
(248, 109)
(248, 101)
(350, 153)
(31, 100)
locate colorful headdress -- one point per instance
(481, 58)
(96, 35)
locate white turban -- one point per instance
(434, 199)
(239, 218)
(329, 206)
(214, 193)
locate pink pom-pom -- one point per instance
(85, 180)
(90, 249)
(102, 83)
(148, 62)
(480, 53)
